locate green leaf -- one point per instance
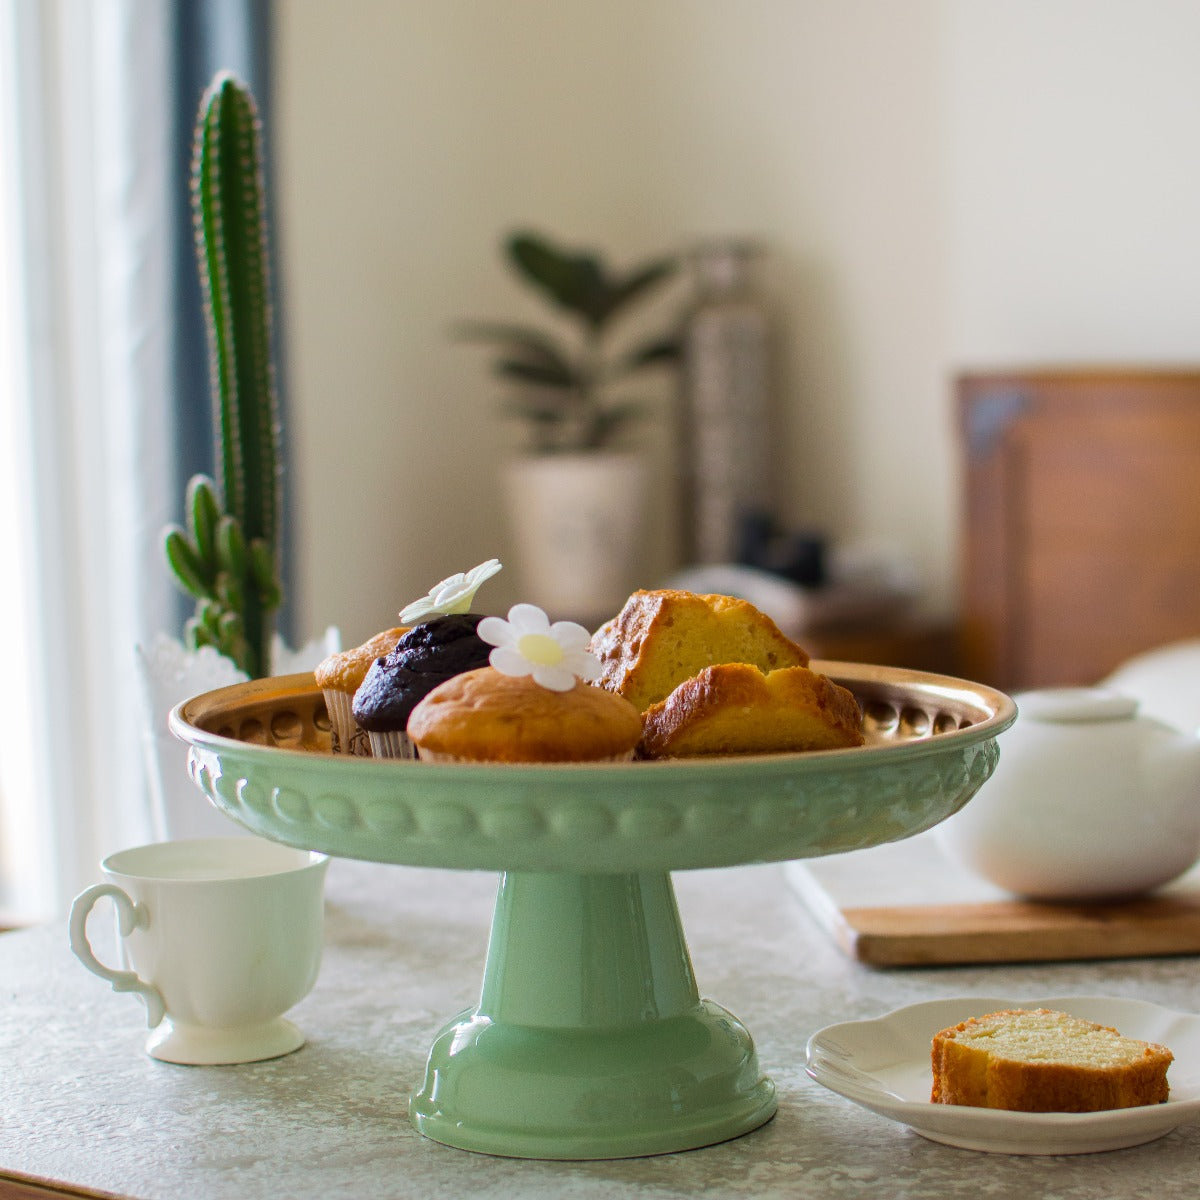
(231, 546)
(647, 354)
(531, 349)
(263, 576)
(547, 375)
(270, 597)
(609, 422)
(575, 282)
(642, 279)
(200, 504)
(549, 407)
(534, 341)
(185, 563)
(231, 641)
(196, 635)
(262, 564)
(229, 592)
(229, 628)
(208, 613)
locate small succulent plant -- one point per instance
(227, 557)
(564, 388)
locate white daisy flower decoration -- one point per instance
(452, 595)
(527, 644)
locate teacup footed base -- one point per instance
(197, 1046)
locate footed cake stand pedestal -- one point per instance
(590, 1039)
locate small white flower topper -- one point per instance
(452, 595)
(527, 644)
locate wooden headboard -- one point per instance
(1081, 534)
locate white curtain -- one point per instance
(88, 182)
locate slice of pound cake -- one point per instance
(1039, 1060)
(734, 708)
(661, 638)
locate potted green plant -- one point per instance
(226, 556)
(575, 492)
(227, 559)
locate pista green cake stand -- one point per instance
(590, 1039)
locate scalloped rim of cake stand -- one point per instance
(672, 815)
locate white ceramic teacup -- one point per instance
(221, 937)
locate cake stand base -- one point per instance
(590, 1040)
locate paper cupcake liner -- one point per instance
(393, 744)
(348, 738)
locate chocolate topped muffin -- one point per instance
(427, 655)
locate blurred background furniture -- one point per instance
(918, 642)
(1081, 530)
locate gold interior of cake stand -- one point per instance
(898, 706)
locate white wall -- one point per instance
(941, 183)
(1074, 156)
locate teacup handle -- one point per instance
(130, 916)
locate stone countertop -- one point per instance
(84, 1106)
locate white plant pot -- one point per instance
(576, 522)
(170, 674)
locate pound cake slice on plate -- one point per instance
(1039, 1060)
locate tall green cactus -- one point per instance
(228, 556)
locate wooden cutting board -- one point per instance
(907, 904)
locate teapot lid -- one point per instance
(1075, 704)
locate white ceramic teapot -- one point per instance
(1090, 800)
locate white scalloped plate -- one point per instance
(884, 1065)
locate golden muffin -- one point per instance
(661, 638)
(485, 716)
(339, 676)
(734, 708)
